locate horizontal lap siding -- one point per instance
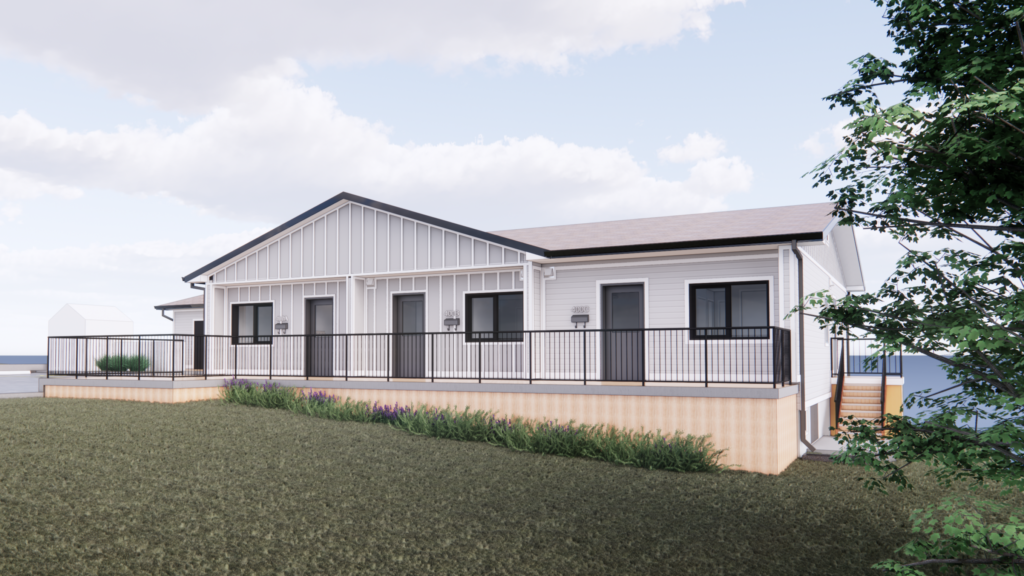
(184, 319)
(666, 285)
(817, 353)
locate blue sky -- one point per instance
(137, 144)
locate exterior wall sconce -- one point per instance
(371, 282)
(451, 324)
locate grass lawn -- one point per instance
(104, 487)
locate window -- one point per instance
(494, 317)
(732, 310)
(252, 323)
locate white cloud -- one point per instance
(711, 170)
(15, 186)
(832, 136)
(694, 147)
(183, 54)
(275, 148)
(133, 276)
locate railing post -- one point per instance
(479, 362)
(138, 346)
(348, 360)
(390, 359)
(705, 360)
(433, 356)
(529, 357)
(643, 357)
(49, 347)
(106, 372)
(174, 357)
(584, 334)
(236, 360)
(270, 362)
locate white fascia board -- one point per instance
(647, 256)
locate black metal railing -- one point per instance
(653, 355)
(860, 356)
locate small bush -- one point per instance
(137, 363)
(678, 452)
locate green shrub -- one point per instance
(677, 452)
(119, 363)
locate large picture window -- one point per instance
(252, 323)
(494, 317)
(729, 310)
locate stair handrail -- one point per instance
(839, 380)
(885, 372)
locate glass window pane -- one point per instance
(323, 319)
(482, 315)
(245, 320)
(510, 314)
(625, 311)
(750, 308)
(750, 305)
(265, 320)
(710, 307)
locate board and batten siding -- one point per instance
(665, 303)
(288, 300)
(353, 240)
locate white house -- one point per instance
(90, 320)
(671, 323)
(186, 314)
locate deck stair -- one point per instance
(862, 397)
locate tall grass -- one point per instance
(677, 452)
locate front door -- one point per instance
(623, 318)
(198, 342)
(410, 341)
(319, 337)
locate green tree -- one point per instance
(945, 162)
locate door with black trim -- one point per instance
(198, 344)
(622, 316)
(319, 337)
(410, 354)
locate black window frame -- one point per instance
(258, 339)
(729, 330)
(511, 336)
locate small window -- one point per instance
(252, 323)
(494, 317)
(733, 310)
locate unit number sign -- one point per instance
(581, 309)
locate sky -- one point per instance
(139, 142)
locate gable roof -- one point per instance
(731, 228)
(346, 197)
(191, 302)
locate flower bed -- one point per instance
(676, 452)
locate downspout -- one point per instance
(164, 314)
(800, 344)
(202, 289)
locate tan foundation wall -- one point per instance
(759, 435)
(162, 395)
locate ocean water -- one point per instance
(921, 373)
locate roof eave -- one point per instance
(178, 306)
(713, 243)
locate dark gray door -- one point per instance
(198, 344)
(622, 314)
(319, 338)
(410, 341)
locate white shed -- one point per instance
(87, 320)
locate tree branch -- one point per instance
(1007, 559)
(940, 224)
